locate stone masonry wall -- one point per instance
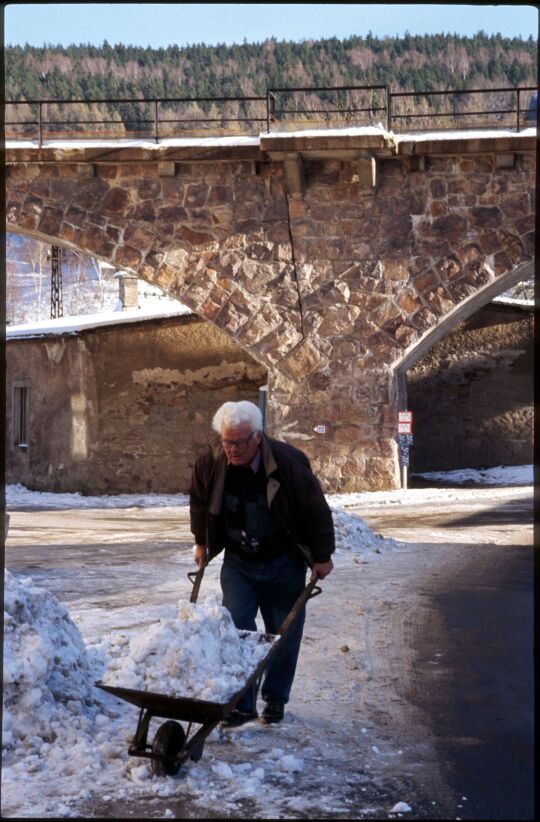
(377, 272)
(124, 409)
(328, 289)
(472, 395)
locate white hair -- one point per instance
(235, 413)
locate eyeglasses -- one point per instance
(241, 443)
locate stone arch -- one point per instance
(448, 322)
(212, 235)
(173, 291)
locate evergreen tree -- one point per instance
(408, 63)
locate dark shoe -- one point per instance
(273, 712)
(237, 718)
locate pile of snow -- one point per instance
(58, 727)
(48, 675)
(354, 535)
(401, 807)
(500, 475)
(17, 496)
(507, 478)
(199, 655)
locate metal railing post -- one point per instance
(270, 109)
(388, 109)
(156, 130)
(517, 112)
(40, 124)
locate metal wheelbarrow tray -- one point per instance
(172, 745)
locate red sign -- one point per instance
(404, 422)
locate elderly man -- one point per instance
(257, 499)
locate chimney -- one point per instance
(127, 289)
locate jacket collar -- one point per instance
(270, 465)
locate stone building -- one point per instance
(121, 408)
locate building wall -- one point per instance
(123, 409)
(472, 394)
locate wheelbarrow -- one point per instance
(173, 744)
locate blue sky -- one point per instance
(163, 24)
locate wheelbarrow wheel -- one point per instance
(168, 743)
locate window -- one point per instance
(20, 414)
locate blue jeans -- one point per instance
(273, 586)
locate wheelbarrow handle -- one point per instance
(311, 590)
(195, 577)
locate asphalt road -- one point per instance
(481, 712)
(473, 666)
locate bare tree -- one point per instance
(88, 284)
(38, 260)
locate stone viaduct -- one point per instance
(335, 259)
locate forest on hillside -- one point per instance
(423, 62)
(124, 72)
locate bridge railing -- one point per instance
(156, 119)
(492, 108)
(324, 106)
(279, 109)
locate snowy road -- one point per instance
(391, 703)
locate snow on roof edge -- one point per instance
(518, 302)
(81, 322)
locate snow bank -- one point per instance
(47, 673)
(354, 535)
(500, 475)
(58, 727)
(200, 655)
(19, 496)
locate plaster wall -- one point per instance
(123, 409)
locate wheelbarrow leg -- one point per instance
(139, 742)
(196, 744)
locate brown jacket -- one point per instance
(297, 505)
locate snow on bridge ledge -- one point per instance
(235, 141)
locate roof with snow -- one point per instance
(82, 322)
(514, 302)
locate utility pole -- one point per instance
(57, 297)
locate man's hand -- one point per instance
(320, 570)
(200, 555)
